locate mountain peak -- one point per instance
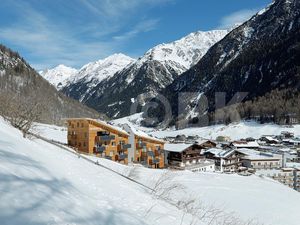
(59, 75)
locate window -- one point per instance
(72, 125)
(85, 135)
(113, 143)
(111, 153)
(77, 124)
(82, 125)
(84, 144)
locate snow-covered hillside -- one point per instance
(184, 53)
(59, 75)
(86, 194)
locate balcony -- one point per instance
(99, 149)
(124, 147)
(141, 145)
(150, 154)
(154, 161)
(106, 138)
(122, 157)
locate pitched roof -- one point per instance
(176, 147)
(102, 123)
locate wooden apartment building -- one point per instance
(122, 145)
(95, 137)
(146, 150)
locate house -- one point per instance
(229, 160)
(260, 160)
(189, 157)
(203, 143)
(97, 137)
(269, 139)
(287, 134)
(145, 149)
(287, 176)
(223, 139)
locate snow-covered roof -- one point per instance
(176, 147)
(257, 155)
(270, 138)
(142, 134)
(103, 123)
(218, 152)
(241, 144)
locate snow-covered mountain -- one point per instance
(258, 57)
(184, 53)
(59, 75)
(89, 75)
(146, 76)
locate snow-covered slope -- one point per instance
(59, 75)
(184, 53)
(95, 72)
(82, 193)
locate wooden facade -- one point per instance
(104, 140)
(94, 137)
(149, 151)
(189, 155)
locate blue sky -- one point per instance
(74, 32)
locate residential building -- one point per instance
(97, 137)
(105, 140)
(287, 176)
(261, 160)
(225, 160)
(145, 149)
(181, 156)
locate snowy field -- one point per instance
(42, 184)
(235, 131)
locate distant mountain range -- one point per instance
(112, 84)
(260, 57)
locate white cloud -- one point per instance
(235, 18)
(47, 43)
(141, 27)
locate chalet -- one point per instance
(145, 149)
(189, 157)
(225, 160)
(269, 139)
(97, 137)
(206, 143)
